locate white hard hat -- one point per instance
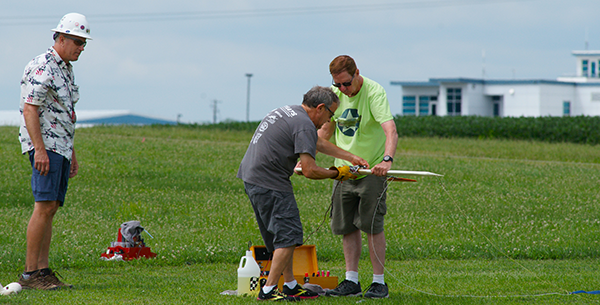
(74, 24)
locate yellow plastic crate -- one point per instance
(305, 263)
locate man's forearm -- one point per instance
(331, 149)
(391, 137)
(32, 123)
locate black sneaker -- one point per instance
(275, 295)
(300, 292)
(345, 288)
(377, 291)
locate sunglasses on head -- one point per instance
(346, 84)
(78, 42)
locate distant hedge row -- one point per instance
(238, 126)
(578, 129)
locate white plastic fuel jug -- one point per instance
(248, 276)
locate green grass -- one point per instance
(413, 282)
(509, 219)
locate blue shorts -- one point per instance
(277, 216)
(53, 186)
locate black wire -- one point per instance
(271, 12)
(386, 182)
(324, 216)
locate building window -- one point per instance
(566, 108)
(593, 69)
(454, 100)
(409, 105)
(423, 105)
(496, 100)
(584, 68)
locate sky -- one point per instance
(183, 59)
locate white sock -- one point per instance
(267, 289)
(352, 276)
(292, 284)
(378, 278)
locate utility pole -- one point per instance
(248, 75)
(215, 111)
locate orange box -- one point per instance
(305, 262)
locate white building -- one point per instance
(566, 96)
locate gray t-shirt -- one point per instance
(274, 150)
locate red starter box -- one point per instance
(128, 253)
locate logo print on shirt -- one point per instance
(263, 127)
(349, 122)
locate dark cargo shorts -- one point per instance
(277, 216)
(359, 205)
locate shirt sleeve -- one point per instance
(35, 85)
(305, 142)
(380, 106)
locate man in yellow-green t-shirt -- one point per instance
(363, 125)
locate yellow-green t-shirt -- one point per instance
(358, 122)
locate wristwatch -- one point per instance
(387, 158)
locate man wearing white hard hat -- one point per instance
(48, 97)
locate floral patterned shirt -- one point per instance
(48, 82)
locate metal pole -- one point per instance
(215, 111)
(364, 171)
(249, 75)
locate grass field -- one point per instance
(511, 222)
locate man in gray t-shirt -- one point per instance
(281, 137)
(285, 135)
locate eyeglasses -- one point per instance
(331, 115)
(78, 42)
(346, 84)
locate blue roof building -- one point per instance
(125, 119)
(87, 118)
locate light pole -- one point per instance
(249, 75)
